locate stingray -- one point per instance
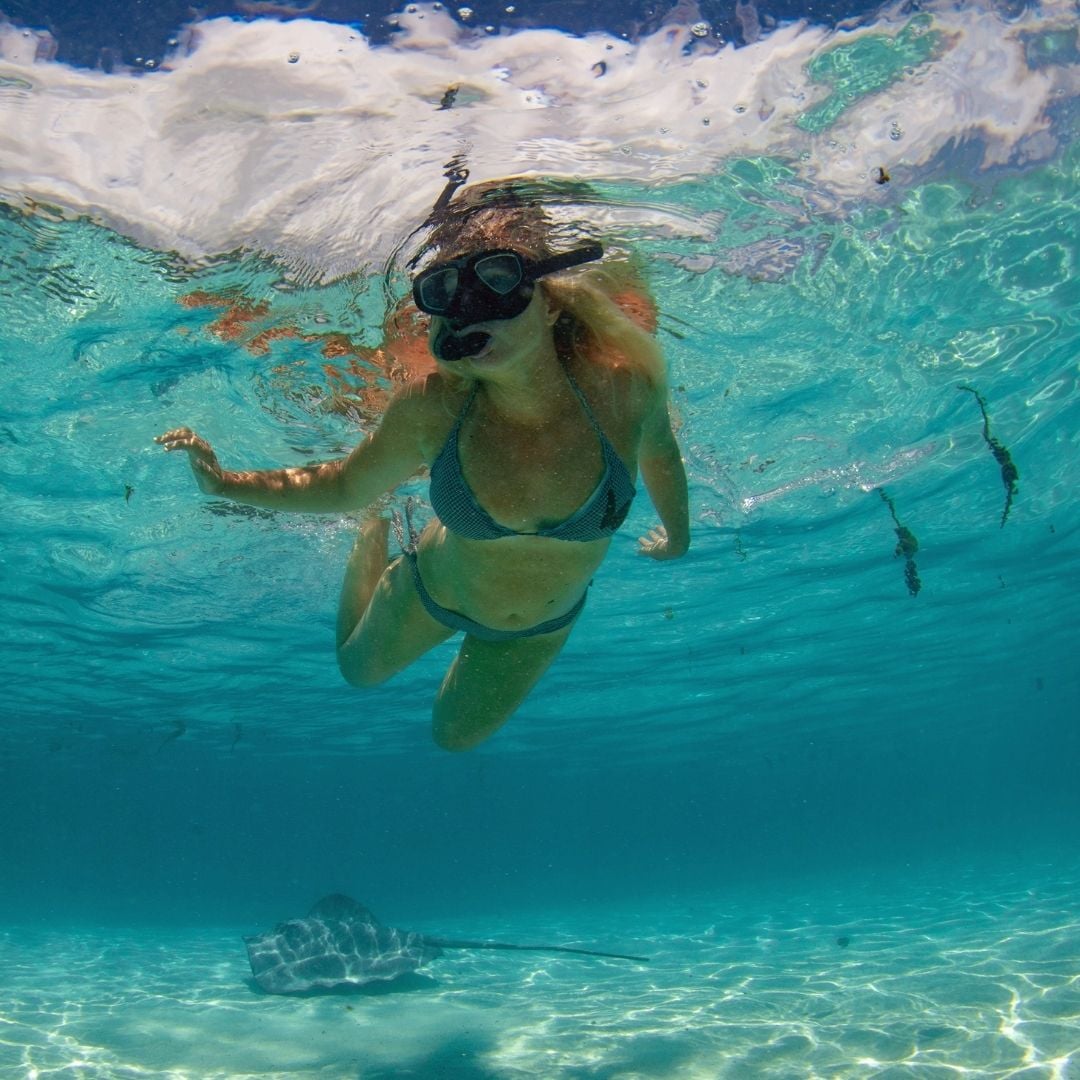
(341, 946)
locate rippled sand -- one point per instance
(941, 981)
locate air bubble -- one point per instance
(740, 109)
(464, 13)
(294, 57)
(700, 29)
(896, 132)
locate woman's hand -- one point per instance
(657, 545)
(203, 460)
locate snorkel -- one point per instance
(490, 284)
(448, 345)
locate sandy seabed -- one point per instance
(981, 980)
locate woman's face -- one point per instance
(483, 300)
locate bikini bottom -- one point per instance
(456, 621)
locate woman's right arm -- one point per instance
(382, 461)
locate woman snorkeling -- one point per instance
(546, 399)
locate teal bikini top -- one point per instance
(597, 518)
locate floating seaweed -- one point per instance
(179, 728)
(1010, 474)
(907, 545)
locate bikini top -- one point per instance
(598, 517)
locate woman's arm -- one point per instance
(619, 333)
(662, 470)
(382, 461)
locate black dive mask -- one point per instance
(489, 285)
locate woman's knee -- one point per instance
(359, 671)
(456, 738)
(458, 729)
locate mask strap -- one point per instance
(586, 253)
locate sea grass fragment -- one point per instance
(907, 545)
(1010, 474)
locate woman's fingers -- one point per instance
(180, 439)
(657, 545)
(173, 435)
(654, 542)
(186, 439)
(201, 457)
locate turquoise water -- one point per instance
(822, 771)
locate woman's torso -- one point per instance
(528, 478)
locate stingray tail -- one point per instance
(444, 943)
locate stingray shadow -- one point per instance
(460, 1058)
(408, 983)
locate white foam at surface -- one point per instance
(328, 159)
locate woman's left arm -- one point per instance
(661, 464)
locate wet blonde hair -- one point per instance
(496, 213)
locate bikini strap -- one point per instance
(591, 416)
(465, 409)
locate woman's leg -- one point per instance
(487, 682)
(381, 627)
